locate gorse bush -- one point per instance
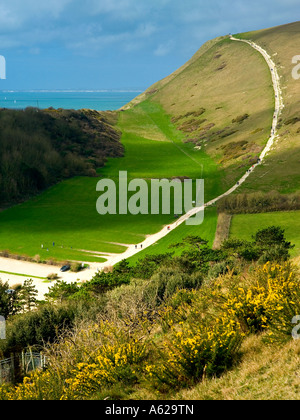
(84, 363)
(161, 333)
(282, 298)
(268, 302)
(168, 280)
(113, 364)
(195, 351)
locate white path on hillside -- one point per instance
(278, 108)
(42, 270)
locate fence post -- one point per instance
(12, 367)
(41, 360)
(32, 359)
(22, 362)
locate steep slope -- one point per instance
(223, 102)
(281, 171)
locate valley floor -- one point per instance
(13, 266)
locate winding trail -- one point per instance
(41, 270)
(278, 108)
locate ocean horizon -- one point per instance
(99, 100)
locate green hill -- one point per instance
(209, 119)
(226, 80)
(281, 171)
(222, 101)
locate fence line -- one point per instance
(23, 363)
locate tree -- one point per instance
(268, 244)
(193, 242)
(273, 244)
(197, 255)
(239, 248)
(27, 296)
(5, 300)
(61, 290)
(271, 236)
(8, 299)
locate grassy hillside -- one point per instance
(225, 79)
(281, 170)
(222, 102)
(206, 323)
(264, 373)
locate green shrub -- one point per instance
(75, 267)
(168, 280)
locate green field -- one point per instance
(206, 230)
(226, 80)
(22, 275)
(243, 226)
(66, 213)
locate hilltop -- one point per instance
(222, 100)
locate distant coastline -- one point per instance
(71, 90)
(98, 99)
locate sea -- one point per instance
(99, 100)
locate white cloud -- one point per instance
(132, 25)
(164, 49)
(8, 20)
(128, 40)
(21, 11)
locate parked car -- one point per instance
(65, 268)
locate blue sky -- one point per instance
(118, 44)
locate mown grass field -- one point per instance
(243, 226)
(66, 213)
(206, 231)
